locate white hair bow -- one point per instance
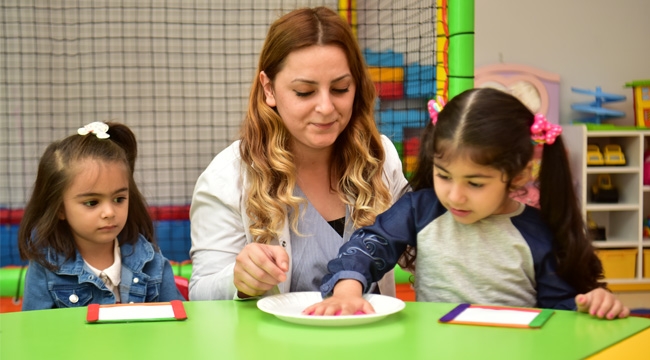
(98, 128)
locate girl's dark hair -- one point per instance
(41, 229)
(492, 128)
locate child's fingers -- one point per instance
(615, 311)
(625, 313)
(602, 304)
(590, 302)
(336, 306)
(309, 310)
(326, 307)
(618, 310)
(583, 302)
(367, 308)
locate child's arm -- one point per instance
(36, 295)
(601, 303)
(553, 292)
(346, 300)
(374, 250)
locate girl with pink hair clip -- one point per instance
(461, 232)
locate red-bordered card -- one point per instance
(161, 311)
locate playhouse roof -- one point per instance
(638, 83)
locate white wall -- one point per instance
(588, 43)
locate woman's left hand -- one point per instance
(602, 303)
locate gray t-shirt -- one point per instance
(488, 261)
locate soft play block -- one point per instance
(387, 58)
(390, 90)
(386, 74)
(392, 122)
(173, 238)
(419, 88)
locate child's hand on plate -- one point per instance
(346, 300)
(337, 305)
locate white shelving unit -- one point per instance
(623, 221)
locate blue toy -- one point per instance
(596, 107)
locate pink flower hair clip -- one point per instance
(543, 132)
(98, 128)
(435, 107)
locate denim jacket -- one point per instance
(146, 277)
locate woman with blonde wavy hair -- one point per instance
(274, 207)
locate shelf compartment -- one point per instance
(629, 145)
(618, 263)
(620, 226)
(627, 185)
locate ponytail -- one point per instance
(577, 262)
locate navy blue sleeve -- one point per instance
(374, 250)
(552, 291)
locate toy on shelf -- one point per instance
(641, 90)
(594, 156)
(596, 107)
(603, 191)
(614, 155)
(596, 233)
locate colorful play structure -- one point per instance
(403, 89)
(398, 83)
(641, 94)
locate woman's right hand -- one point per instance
(346, 299)
(258, 268)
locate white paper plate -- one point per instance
(289, 307)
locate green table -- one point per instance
(238, 330)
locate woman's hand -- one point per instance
(258, 268)
(601, 303)
(347, 299)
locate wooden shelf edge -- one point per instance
(625, 287)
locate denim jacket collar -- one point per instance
(134, 257)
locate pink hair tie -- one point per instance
(435, 107)
(543, 132)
